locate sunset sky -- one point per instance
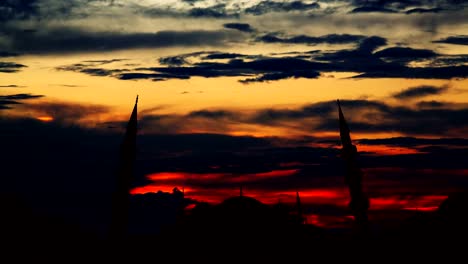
(237, 92)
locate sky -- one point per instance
(236, 93)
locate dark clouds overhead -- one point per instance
(364, 60)
(20, 9)
(67, 40)
(270, 6)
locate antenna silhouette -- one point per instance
(120, 199)
(299, 208)
(359, 202)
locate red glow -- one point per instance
(419, 203)
(198, 187)
(45, 118)
(165, 176)
(386, 150)
(155, 188)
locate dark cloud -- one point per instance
(424, 10)
(420, 91)
(404, 52)
(268, 68)
(373, 116)
(10, 67)
(67, 40)
(191, 2)
(10, 86)
(173, 61)
(432, 104)
(416, 142)
(239, 26)
(7, 100)
(372, 43)
(369, 9)
(364, 115)
(270, 6)
(458, 40)
(387, 63)
(217, 11)
(304, 39)
(421, 73)
(211, 114)
(153, 76)
(102, 62)
(404, 6)
(449, 60)
(8, 54)
(19, 96)
(20, 9)
(283, 75)
(86, 68)
(221, 55)
(67, 113)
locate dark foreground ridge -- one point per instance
(237, 228)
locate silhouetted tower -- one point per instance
(240, 191)
(120, 199)
(300, 215)
(359, 202)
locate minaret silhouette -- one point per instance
(120, 199)
(359, 202)
(299, 208)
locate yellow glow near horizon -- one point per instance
(179, 97)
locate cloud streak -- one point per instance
(420, 91)
(10, 67)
